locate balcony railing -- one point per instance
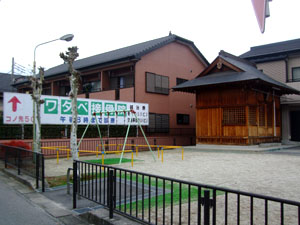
(114, 87)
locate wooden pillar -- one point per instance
(274, 117)
(247, 122)
(257, 120)
(266, 115)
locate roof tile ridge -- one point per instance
(226, 54)
(169, 38)
(274, 44)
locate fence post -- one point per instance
(57, 155)
(37, 166)
(110, 193)
(43, 173)
(5, 157)
(19, 162)
(132, 144)
(115, 188)
(74, 183)
(206, 207)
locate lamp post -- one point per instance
(67, 37)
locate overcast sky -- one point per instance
(103, 25)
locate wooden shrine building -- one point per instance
(236, 103)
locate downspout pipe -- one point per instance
(286, 69)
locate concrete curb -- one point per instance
(66, 216)
(62, 214)
(24, 179)
(239, 149)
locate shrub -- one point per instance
(19, 144)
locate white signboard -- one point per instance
(57, 110)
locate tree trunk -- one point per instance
(33, 85)
(36, 84)
(73, 135)
(69, 58)
(38, 108)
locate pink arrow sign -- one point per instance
(14, 100)
(260, 9)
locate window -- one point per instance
(296, 73)
(64, 90)
(92, 86)
(121, 82)
(158, 123)
(234, 116)
(46, 91)
(91, 83)
(262, 116)
(183, 119)
(157, 83)
(180, 81)
(121, 78)
(252, 115)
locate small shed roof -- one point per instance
(241, 71)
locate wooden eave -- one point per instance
(218, 63)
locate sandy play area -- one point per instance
(263, 173)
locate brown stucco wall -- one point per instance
(176, 61)
(127, 94)
(104, 95)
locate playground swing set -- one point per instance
(132, 114)
(103, 152)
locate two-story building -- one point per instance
(281, 61)
(143, 72)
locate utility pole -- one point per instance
(12, 73)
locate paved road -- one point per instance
(16, 209)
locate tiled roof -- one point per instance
(127, 53)
(273, 49)
(5, 82)
(249, 73)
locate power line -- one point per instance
(21, 70)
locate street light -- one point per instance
(67, 37)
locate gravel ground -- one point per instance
(270, 174)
